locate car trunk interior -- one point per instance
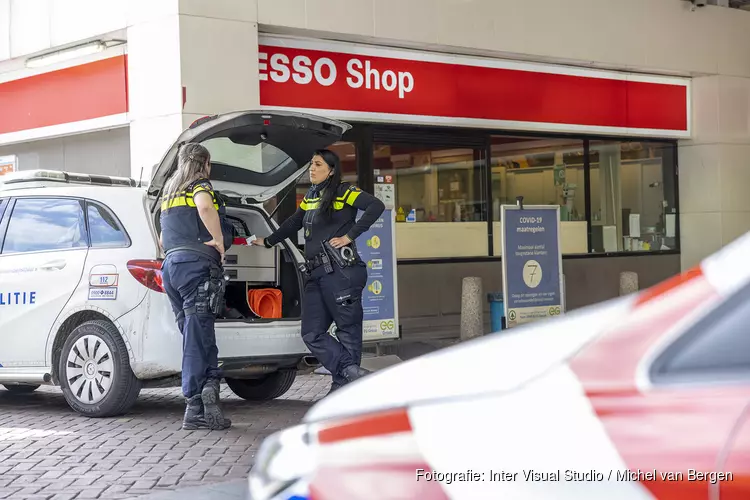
(257, 268)
(252, 270)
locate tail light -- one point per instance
(147, 273)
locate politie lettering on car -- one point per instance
(17, 298)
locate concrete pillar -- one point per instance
(628, 283)
(186, 59)
(714, 168)
(472, 310)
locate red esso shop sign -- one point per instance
(357, 72)
(393, 84)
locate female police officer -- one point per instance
(336, 274)
(194, 236)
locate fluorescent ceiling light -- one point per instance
(66, 54)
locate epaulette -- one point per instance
(203, 183)
(345, 186)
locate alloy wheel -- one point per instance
(89, 370)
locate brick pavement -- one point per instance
(49, 452)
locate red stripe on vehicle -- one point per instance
(665, 434)
(380, 424)
(82, 92)
(667, 286)
(381, 481)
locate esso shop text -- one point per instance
(359, 73)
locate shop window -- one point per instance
(545, 172)
(439, 198)
(632, 196)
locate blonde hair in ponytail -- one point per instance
(192, 164)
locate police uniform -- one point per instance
(333, 292)
(194, 283)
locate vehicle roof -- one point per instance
(71, 190)
(37, 178)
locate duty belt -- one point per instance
(343, 257)
(315, 262)
(201, 249)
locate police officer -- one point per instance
(336, 275)
(194, 236)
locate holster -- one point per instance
(211, 295)
(343, 257)
(217, 291)
(321, 259)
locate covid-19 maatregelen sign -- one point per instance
(380, 297)
(532, 263)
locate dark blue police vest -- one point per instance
(182, 227)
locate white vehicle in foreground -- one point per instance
(81, 298)
(643, 397)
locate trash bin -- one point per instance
(497, 311)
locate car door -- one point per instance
(44, 248)
(707, 372)
(736, 462)
(110, 250)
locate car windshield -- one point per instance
(262, 158)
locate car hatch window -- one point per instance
(716, 348)
(39, 224)
(3, 204)
(105, 229)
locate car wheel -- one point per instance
(21, 389)
(271, 386)
(94, 371)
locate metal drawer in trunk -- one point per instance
(252, 264)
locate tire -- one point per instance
(271, 386)
(95, 353)
(21, 389)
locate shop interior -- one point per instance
(614, 196)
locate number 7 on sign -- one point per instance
(532, 273)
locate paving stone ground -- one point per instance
(47, 451)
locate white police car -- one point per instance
(81, 298)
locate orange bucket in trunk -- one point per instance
(265, 302)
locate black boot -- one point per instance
(194, 418)
(213, 414)
(354, 372)
(334, 388)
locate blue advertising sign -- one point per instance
(532, 263)
(377, 247)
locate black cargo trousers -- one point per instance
(193, 284)
(334, 297)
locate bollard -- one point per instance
(472, 312)
(628, 283)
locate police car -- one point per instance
(640, 398)
(82, 304)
